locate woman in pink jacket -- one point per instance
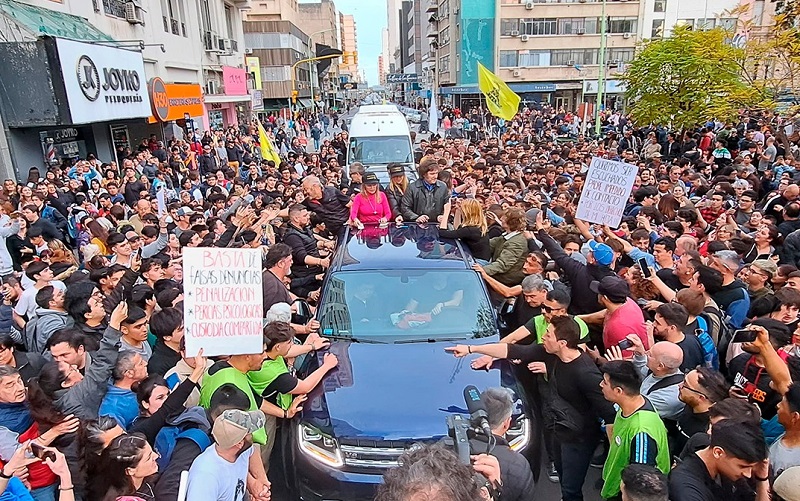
(371, 205)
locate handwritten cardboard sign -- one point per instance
(606, 191)
(223, 301)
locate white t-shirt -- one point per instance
(212, 478)
(27, 300)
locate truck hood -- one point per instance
(394, 392)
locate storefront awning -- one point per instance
(304, 103)
(39, 21)
(222, 98)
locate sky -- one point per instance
(370, 16)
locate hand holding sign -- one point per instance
(605, 192)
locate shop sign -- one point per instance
(102, 83)
(612, 87)
(173, 101)
(235, 81)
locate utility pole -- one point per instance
(601, 84)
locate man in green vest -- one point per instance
(273, 381)
(638, 434)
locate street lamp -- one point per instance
(311, 63)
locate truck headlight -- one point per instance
(319, 446)
(519, 434)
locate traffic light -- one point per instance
(294, 96)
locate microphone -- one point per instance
(477, 410)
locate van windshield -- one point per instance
(380, 150)
(396, 305)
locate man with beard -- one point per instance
(221, 472)
(670, 320)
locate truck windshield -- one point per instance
(380, 150)
(399, 305)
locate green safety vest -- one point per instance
(269, 372)
(229, 375)
(619, 452)
(540, 327)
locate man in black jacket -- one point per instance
(308, 265)
(424, 199)
(518, 484)
(208, 163)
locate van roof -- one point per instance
(378, 108)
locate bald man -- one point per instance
(660, 367)
(330, 205)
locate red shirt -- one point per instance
(627, 319)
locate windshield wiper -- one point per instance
(339, 337)
(430, 340)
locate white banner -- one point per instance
(223, 301)
(103, 83)
(606, 191)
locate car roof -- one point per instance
(409, 246)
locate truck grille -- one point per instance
(372, 454)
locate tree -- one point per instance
(688, 78)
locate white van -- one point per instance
(379, 135)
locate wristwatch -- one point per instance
(3, 475)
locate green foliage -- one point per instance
(688, 78)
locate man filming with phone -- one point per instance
(747, 371)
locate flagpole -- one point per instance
(601, 84)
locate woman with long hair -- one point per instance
(398, 184)
(370, 206)
(125, 468)
(97, 235)
(471, 228)
(18, 244)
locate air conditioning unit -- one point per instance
(226, 45)
(133, 14)
(614, 62)
(517, 73)
(580, 32)
(626, 35)
(524, 38)
(211, 87)
(529, 6)
(248, 51)
(571, 62)
(515, 33)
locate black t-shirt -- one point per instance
(577, 382)
(693, 355)
(688, 425)
(754, 380)
(284, 384)
(667, 275)
(690, 481)
(274, 291)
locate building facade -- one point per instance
(141, 71)
(348, 68)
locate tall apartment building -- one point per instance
(320, 21)
(141, 70)
(349, 39)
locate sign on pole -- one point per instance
(223, 303)
(402, 78)
(606, 191)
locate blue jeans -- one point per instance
(45, 493)
(572, 462)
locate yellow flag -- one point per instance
(500, 99)
(268, 151)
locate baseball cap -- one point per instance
(370, 178)
(185, 211)
(396, 170)
(766, 266)
(787, 485)
(530, 217)
(233, 425)
(729, 259)
(614, 287)
(130, 236)
(602, 252)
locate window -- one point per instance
(689, 23)
(622, 25)
(728, 24)
(508, 59)
(508, 25)
(572, 26)
(229, 21)
(660, 6)
(444, 9)
(534, 58)
(538, 26)
(444, 37)
(573, 56)
(444, 63)
(621, 55)
(658, 29)
(114, 8)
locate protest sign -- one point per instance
(223, 302)
(606, 191)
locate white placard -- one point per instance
(162, 203)
(223, 301)
(606, 191)
(102, 82)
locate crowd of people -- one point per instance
(663, 350)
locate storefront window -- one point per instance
(215, 120)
